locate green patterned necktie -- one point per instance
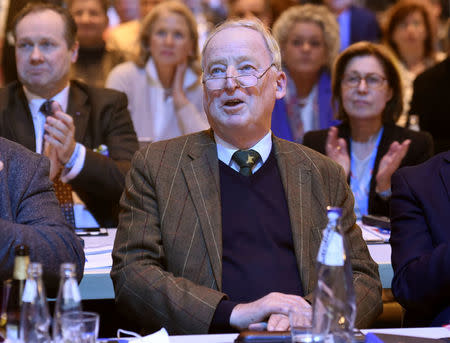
(246, 159)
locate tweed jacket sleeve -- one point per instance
(161, 271)
(322, 183)
(30, 214)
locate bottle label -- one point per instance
(12, 332)
(30, 291)
(71, 290)
(331, 251)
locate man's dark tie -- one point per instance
(63, 190)
(246, 159)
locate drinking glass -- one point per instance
(301, 330)
(79, 327)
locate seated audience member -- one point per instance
(308, 36)
(30, 215)
(8, 62)
(213, 236)
(420, 241)
(163, 85)
(126, 10)
(94, 61)
(409, 34)
(431, 102)
(125, 37)
(86, 132)
(368, 145)
(355, 23)
(250, 9)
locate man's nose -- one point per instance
(231, 82)
(84, 17)
(36, 54)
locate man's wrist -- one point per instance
(386, 194)
(71, 162)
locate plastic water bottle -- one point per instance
(34, 317)
(68, 298)
(334, 306)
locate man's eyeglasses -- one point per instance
(244, 80)
(373, 81)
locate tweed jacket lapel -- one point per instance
(79, 108)
(202, 178)
(307, 221)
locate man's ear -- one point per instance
(281, 84)
(74, 49)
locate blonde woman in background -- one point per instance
(308, 36)
(163, 84)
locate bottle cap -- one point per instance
(22, 250)
(334, 210)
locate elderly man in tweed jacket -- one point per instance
(220, 229)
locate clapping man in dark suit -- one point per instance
(30, 215)
(420, 240)
(86, 132)
(220, 229)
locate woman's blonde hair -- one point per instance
(148, 23)
(317, 14)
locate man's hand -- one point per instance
(275, 307)
(55, 165)
(336, 149)
(60, 133)
(390, 163)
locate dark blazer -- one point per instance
(420, 150)
(363, 25)
(167, 256)
(30, 214)
(420, 240)
(100, 117)
(431, 102)
(280, 122)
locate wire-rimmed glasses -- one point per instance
(244, 80)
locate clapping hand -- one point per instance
(60, 133)
(390, 163)
(336, 149)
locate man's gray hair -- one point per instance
(252, 24)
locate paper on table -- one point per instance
(160, 336)
(99, 244)
(414, 332)
(101, 260)
(372, 234)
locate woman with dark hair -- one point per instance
(367, 91)
(163, 85)
(408, 32)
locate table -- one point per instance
(97, 284)
(436, 332)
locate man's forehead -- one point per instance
(46, 20)
(236, 43)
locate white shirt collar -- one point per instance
(35, 101)
(225, 151)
